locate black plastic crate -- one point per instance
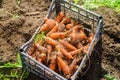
(93, 23)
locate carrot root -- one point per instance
(64, 66)
(50, 41)
(64, 52)
(67, 45)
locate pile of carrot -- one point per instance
(64, 45)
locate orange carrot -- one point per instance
(48, 25)
(74, 22)
(59, 17)
(75, 61)
(64, 52)
(58, 35)
(42, 57)
(82, 35)
(85, 49)
(50, 41)
(41, 48)
(73, 28)
(79, 45)
(59, 67)
(50, 22)
(44, 27)
(54, 29)
(90, 38)
(67, 45)
(53, 64)
(75, 52)
(69, 26)
(61, 27)
(64, 66)
(66, 20)
(74, 65)
(37, 53)
(32, 50)
(49, 49)
(40, 60)
(74, 37)
(60, 54)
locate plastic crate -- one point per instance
(93, 23)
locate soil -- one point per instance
(18, 23)
(110, 41)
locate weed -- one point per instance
(15, 16)
(13, 70)
(95, 4)
(109, 77)
(76, 1)
(18, 2)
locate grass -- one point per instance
(109, 77)
(95, 4)
(14, 71)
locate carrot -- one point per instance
(61, 27)
(69, 26)
(50, 41)
(40, 60)
(50, 22)
(74, 22)
(59, 67)
(73, 28)
(66, 20)
(48, 25)
(67, 45)
(60, 54)
(34, 55)
(42, 57)
(37, 53)
(64, 66)
(74, 65)
(54, 29)
(79, 45)
(64, 52)
(44, 27)
(32, 50)
(82, 35)
(75, 52)
(90, 38)
(85, 49)
(57, 35)
(41, 48)
(59, 17)
(74, 37)
(53, 64)
(49, 51)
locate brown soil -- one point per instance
(15, 31)
(18, 23)
(111, 41)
